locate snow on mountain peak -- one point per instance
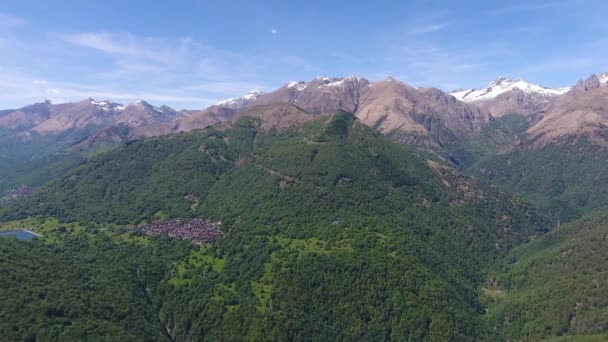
(254, 94)
(239, 102)
(502, 85)
(391, 79)
(337, 82)
(297, 85)
(106, 105)
(603, 78)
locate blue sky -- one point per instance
(190, 54)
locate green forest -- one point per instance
(330, 231)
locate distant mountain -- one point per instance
(426, 118)
(320, 96)
(583, 111)
(278, 115)
(557, 158)
(507, 96)
(48, 118)
(31, 135)
(240, 102)
(136, 114)
(141, 113)
(398, 109)
(502, 85)
(593, 82)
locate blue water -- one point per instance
(19, 234)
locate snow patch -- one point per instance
(603, 78)
(297, 85)
(106, 105)
(502, 85)
(239, 102)
(337, 82)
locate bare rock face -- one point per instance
(47, 118)
(393, 107)
(141, 113)
(185, 122)
(516, 101)
(582, 111)
(390, 106)
(323, 95)
(26, 117)
(278, 115)
(511, 96)
(593, 82)
(237, 103)
(77, 115)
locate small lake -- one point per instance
(20, 234)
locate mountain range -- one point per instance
(415, 115)
(438, 123)
(348, 210)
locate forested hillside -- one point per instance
(35, 159)
(81, 284)
(330, 231)
(555, 285)
(568, 177)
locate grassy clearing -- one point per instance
(197, 259)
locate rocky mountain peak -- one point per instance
(241, 102)
(502, 85)
(593, 82)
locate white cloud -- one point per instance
(178, 71)
(11, 20)
(425, 29)
(55, 95)
(274, 31)
(120, 44)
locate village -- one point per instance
(199, 231)
(21, 192)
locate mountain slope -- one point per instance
(555, 286)
(567, 176)
(332, 231)
(323, 95)
(502, 85)
(31, 136)
(240, 102)
(583, 111)
(557, 159)
(511, 96)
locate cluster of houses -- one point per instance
(21, 192)
(196, 230)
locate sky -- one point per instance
(193, 53)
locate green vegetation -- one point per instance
(331, 232)
(555, 285)
(34, 159)
(89, 287)
(567, 177)
(499, 135)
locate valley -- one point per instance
(418, 217)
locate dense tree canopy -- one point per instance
(330, 231)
